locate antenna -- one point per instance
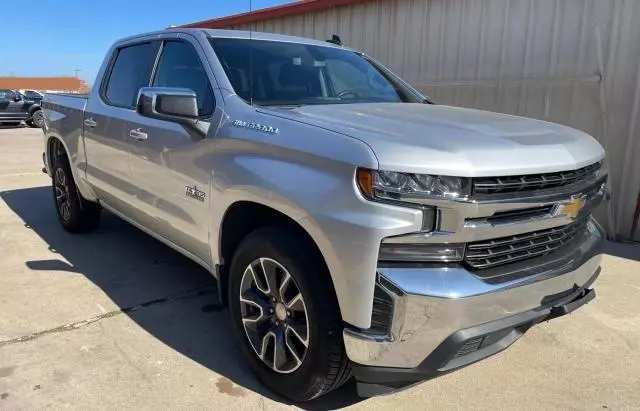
(335, 39)
(251, 56)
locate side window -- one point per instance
(130, 72)
(5, 94)
(180, 66)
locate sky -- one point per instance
(68, 35)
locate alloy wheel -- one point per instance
(38, 119)
(62, 194)
(274, 315)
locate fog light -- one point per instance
(392, 249)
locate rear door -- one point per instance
(172, 159)
(108, 112)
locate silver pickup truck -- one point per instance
(356, 229)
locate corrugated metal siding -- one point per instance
(575, 62)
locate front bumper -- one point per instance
(446, 317)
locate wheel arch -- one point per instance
(33, 109)
(53, 142)
(244, 217)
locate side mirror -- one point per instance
(16, 98)
(168, 103)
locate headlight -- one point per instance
(391, 185)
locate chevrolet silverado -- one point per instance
(355, 228)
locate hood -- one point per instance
(434, 139)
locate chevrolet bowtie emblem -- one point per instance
(570, 208)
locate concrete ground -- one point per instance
(116, 320)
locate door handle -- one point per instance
(90, 122)
(138, 134)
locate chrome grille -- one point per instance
(503, 217)
(511, 184)
(499, 251)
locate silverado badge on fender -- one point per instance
(193, 192)
(256, 126)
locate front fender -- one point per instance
(321, 196)
(33, 109)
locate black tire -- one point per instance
(76, 215)
(325, 365)
(37, 120)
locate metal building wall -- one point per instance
(575, 62)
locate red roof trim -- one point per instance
(298, 7)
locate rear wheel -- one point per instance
(76, 215)
(285, 312)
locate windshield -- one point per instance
(281, 73)
(32, 94)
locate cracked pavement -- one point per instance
(115, 319)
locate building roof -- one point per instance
(298, 7)
(67, 84)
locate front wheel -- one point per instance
(285, 312)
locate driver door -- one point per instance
(168, 159)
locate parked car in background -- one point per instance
(12, 110)
(355, 227)
(35, 110)
(16, 107)
(32, 95)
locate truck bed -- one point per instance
(64, 114)
(53, 101)
(64, 118)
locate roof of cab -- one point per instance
(256, 35)
(237, 34)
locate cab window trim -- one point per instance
(112, 60)
(154, 72)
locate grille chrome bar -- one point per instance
(511, 184)
(502, 217)
(486, 254)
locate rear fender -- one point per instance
(72, 154)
